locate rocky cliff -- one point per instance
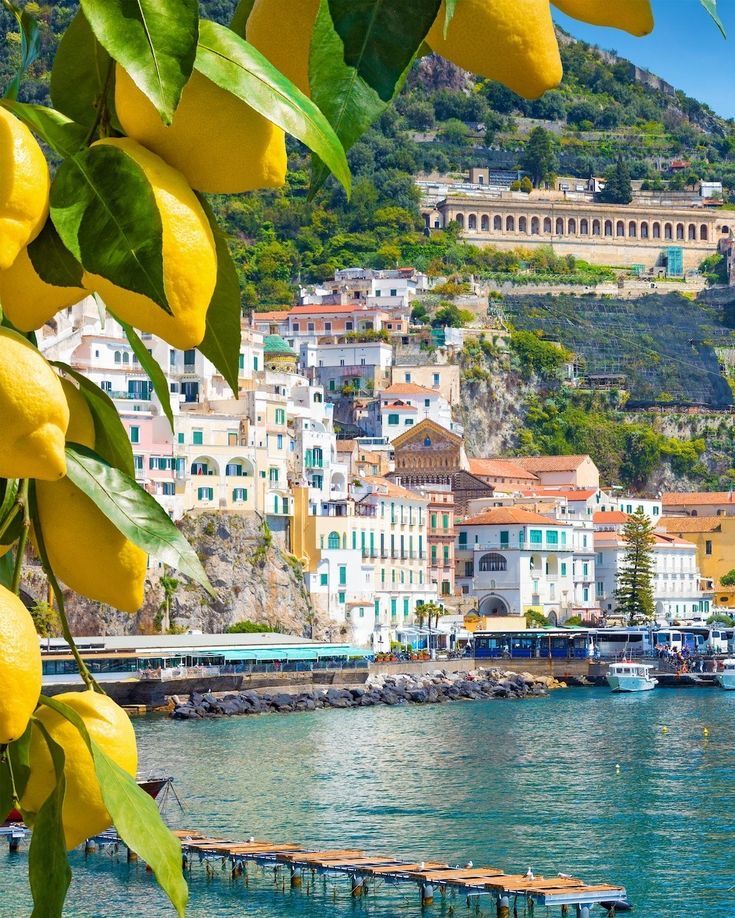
(253, 575)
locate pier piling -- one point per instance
(504, 907)
(427, 894)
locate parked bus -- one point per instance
(620, 642)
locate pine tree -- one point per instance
(618, 189)
(634, 593)
(539, 157)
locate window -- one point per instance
(343, 575)
(232, 438)
(405, 608)
(273, 476)
(323, 579)
(493, 562)
(445, 521)
(255, 363)
(707, 546)
(333, 542)
(427, 403)
(393, 420)
(469, 569)
(585, 595)
(376, 608)
(393, 607)
(168, 488)
(241, 362)
(563, 568)
(600, 589)
(327, 326)
(135, 434)
(433, 520)
(138, 463)
(239, 495)
(552, 537)
(463, 539)
(436, 379)
(280, 416)
(536, 536)
(407, 377)
(180, 438)
(279, 441)
(341, 597)
(205, 493)
(197, 437)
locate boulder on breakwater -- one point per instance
(433, 688)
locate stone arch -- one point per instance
(547, 224)
(239, 467)
(584, 227)
(459, 220)
(204, 466)
(632, 229)
(498, 223)
(645, 231)
(472, 222)
(535, 226)
(494, 605)
(493, 561)
(620, 228)
(522, 225)
(679, 231)
(338, 482)
(608, 227)
(692, 232)
(572, 227)
(596, 231)
(656, 230)
(559, 226)
(668, 231)
(704, 232)
(553, 618)
(510, 224)
(485, 223)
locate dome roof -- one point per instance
(276, 346)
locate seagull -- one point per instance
(251, 839)
(566, 876)
(529, 874)
(468, 865)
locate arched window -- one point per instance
(510, 224)
(118, 357)
(547, 224)
(126, 357)
(559, 226)
(620, 228)
(459, 219)
(535, 226)
(703, 232)
(679, 230)
(427, 441)
(584, 227)
(632, 229)
(572, 227)
(318, 397)
(472, 222)
(497, 222)
(644, 230)
(656, 230)
(485, 223)
(333, 542)
(608, 227)
(522, 225)
(493, 561)
(596, 228)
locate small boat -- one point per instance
(726, 677)
(627, 676)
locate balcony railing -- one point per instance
(544, 545)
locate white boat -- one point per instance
(726, 677)
(631, 677)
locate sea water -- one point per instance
(581, 782)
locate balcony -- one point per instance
(366, 510)
(497, 545)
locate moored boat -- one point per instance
(726, 677)
(627, 676)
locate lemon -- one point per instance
(84, 813)
(189, 258)
(281, 30)
(24, 187)
(20, 667)
(33, 412)
(220, 144)
(512, 41)
(634, 16)
(85, 550)
(27, 300)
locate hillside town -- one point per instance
(343, 441)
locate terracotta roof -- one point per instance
(391, 489)
(686, 498)
(609, 516)
(279, 316)
(346, 446)
(400, 405)
(551, 463)
(509, 516)
(691, 523)
(659, 538)
(330, 310)
(500, 468)
(407, 389)
(570, 494)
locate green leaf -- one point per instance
(134, 512)
(82, 73)
(8, 492)
(221, 342)
(19, 753)
(241, 15)
(153, 40)
(6, 790)
(56, 130)
(450, 7)
(52, 261)
(711, 7)
(111, 440)
(30, 45)
(135, 815)
(49, 873)
(7, 567)
(380, 39)
(236, 66)
(104, 210)
(155, 373)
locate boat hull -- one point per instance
(631, 683)
(726, 681)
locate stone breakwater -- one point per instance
(434, 688)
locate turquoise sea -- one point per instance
(510, 784)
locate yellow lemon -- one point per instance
(33, 412)
(27, 300)
(189, 258)
(634, 16)
(281, 31)
(20, 667)
(84, 813)
(512, 41)
(85, 550)
(24, 187)
(220, 144)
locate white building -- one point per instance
(364, 367)
(402, 405)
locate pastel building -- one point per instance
(403, 405)
(361, 367)
(714, 540)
